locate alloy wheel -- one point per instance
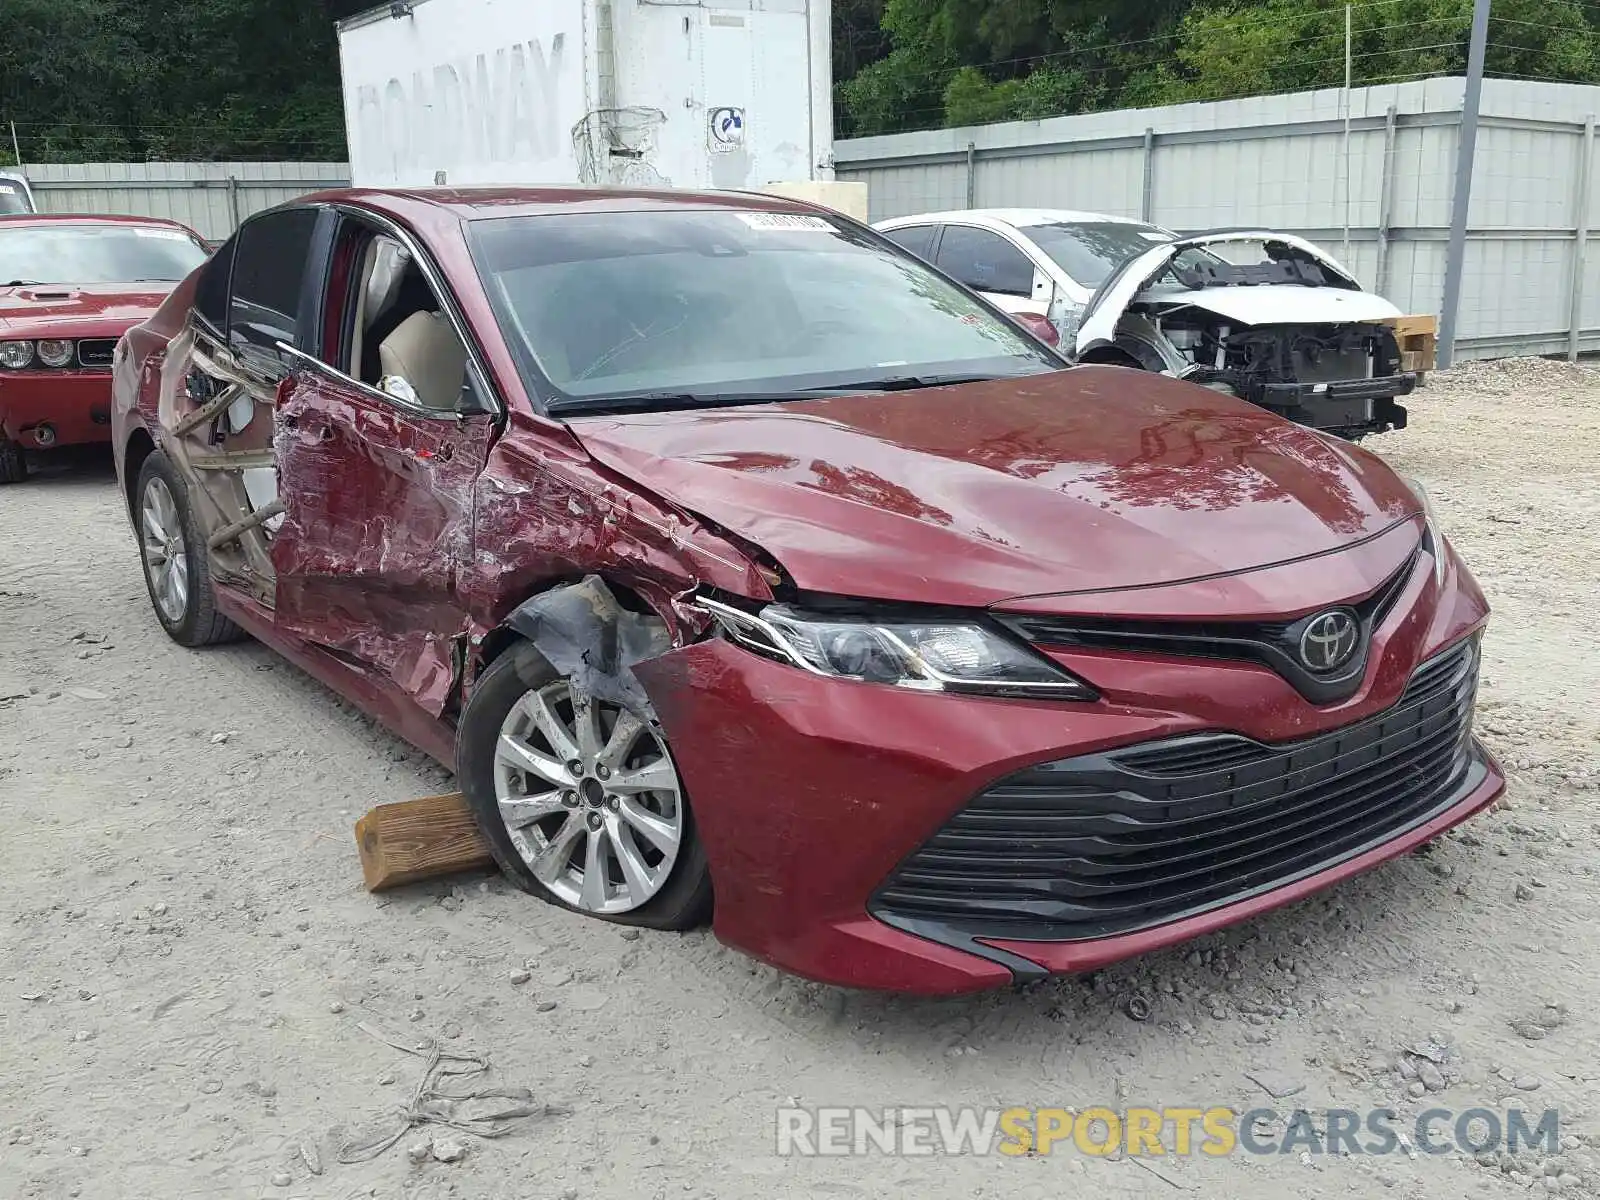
(590, 798)
(166, 555)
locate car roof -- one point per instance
(1017, 217)
(35, 218)
(483, 203)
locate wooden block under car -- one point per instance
(1419, 342)
(419, 839)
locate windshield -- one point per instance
(1091, 251)
(701, 305)
(74, 253)
(13, 198)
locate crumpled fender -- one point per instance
(585, 634)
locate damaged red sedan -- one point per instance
(736, 560)
(69, 288)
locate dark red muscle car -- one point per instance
(738, 561)
(70, 286)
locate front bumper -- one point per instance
(1346, 406)
(41, 409)
(811, 793)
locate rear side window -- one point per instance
(211, 290)
(985, 261)
(916, 238)
(269, 267)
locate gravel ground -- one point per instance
(189, 967)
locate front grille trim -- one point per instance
(1267, 643)
(1059, 852)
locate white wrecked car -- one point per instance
(1262, 315)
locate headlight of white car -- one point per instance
(1433, 536)
(929, 656)
(16, 355)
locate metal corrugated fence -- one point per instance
(210, 198)
(1279, 162)
(1530, 284)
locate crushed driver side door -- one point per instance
(378, 494)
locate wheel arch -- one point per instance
(139, 446)
(1107, 355)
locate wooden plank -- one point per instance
(1411, 326)
(1418, 339)
(419, 839)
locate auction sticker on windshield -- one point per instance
(786, 222)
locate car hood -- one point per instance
(1270, 304)
(1278, 304)
(75, 310)
(1087, 479)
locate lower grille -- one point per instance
(96, 352)
(1108, 843)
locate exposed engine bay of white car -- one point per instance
(1266, 317)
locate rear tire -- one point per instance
(177, 570)
(556, 825)
(13, 463)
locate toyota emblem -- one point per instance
(1330, 640)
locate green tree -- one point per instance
(1003, 59)
(126, 79)
(1292, 45)
(953, 62)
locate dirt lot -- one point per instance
(187, 957)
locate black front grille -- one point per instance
(1108, 843)
(96, 352)
(1274, 644)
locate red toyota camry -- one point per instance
(743, 565)
(71, 286)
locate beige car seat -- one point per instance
(384, 269)
(425, 351)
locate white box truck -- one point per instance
(674, 93)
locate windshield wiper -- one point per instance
(667, 401)
(907, 383)
(20, 283)
(155, 279)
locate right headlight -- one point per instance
(16, 355)
(966, 657)
(1433, 537)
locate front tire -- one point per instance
(579, 799)
(13, 463)
(177, 572)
